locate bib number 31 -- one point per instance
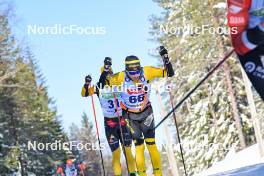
(112, 104)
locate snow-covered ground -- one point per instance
(254, 170)
(244, 163)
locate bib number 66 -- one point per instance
(135, 99)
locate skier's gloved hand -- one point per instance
(107, 63)
(88, 80)
(164, 54)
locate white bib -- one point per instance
(134, 98)
(108, 104)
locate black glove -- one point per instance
(88, 79)
(107, 63)
(164, 54)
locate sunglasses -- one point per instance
(132, 73)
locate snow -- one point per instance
(254, 170)
(220, 5)
(18, 174)
(246, 162)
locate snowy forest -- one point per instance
(221, 111)
(224, 111)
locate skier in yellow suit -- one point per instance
(136, 107)
(112, 111)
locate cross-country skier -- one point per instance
(79, 169)
(136, 106)
(246, 21)
(70, 168)
(111, 114)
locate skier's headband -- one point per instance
(132, 62)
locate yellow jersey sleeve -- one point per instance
(153, 72)
(150, 74)
(89, 92)
(117, 79)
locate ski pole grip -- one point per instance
(164, 54)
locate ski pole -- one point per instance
(178, 135)
(196, 87)
(121, 130)
(97, 132)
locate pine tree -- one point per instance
(214, 114)
(26, 112)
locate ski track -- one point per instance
(253, 170)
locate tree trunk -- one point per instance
(229, 85)
(234, 106)
(170, 153)
(253, 112)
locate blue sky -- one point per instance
(66, 59)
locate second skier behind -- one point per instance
(115, 126)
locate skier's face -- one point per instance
(134, 76)
(134, 72)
